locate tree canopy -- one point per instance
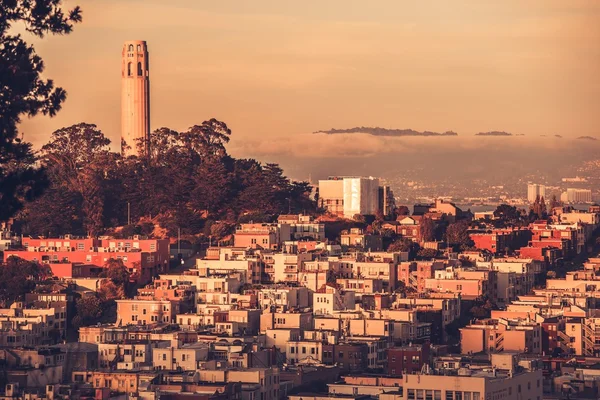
(25, 93)
(457, 235)
(17, 277)
(188, 181)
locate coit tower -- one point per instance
(135, 98)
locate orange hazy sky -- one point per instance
(277, 68)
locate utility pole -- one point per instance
(128, 213)
(178, 241)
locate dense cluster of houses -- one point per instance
(284, 310)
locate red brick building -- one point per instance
(407, 359)
(350, 357)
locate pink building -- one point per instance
(469, 289)
(264, 236)
(71, 257)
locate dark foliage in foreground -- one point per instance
(187, 180)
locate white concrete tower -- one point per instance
(135, 97)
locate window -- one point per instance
(139, 48)
(130, 47)
(129, 69)
(139, 69)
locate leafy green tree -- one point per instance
(115, 270)
(427, 254)
(457, 235)
(359, 218)
(554, 202)
(80, 167)
(110, 291)
(25, 93)
(89, 311)
(401, 211)
(186, 180)
(17, 277)
(507, 213)
(401, 245)
(427, 230)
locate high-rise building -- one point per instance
(135, 98)
(349, 195)
(534, 190)
(578, 196)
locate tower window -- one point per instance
(140, 69)
(128, 69)
(139, 48)
(130, 47)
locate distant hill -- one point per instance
(586, 138)
(494, 133)
(386, 132)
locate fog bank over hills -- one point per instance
(387, 132)
(462, 159)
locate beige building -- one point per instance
(142, 312)
(302, 350)
(361, 286)
(289, 297)
(520, 335)
(109, 354)
(135, 97)
(286, 320)
(481, 385)
(266, 378)
(371, 327)
(185, 358)
(279, 338)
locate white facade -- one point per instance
(361, 196)
(534, 190)
(350, 195)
